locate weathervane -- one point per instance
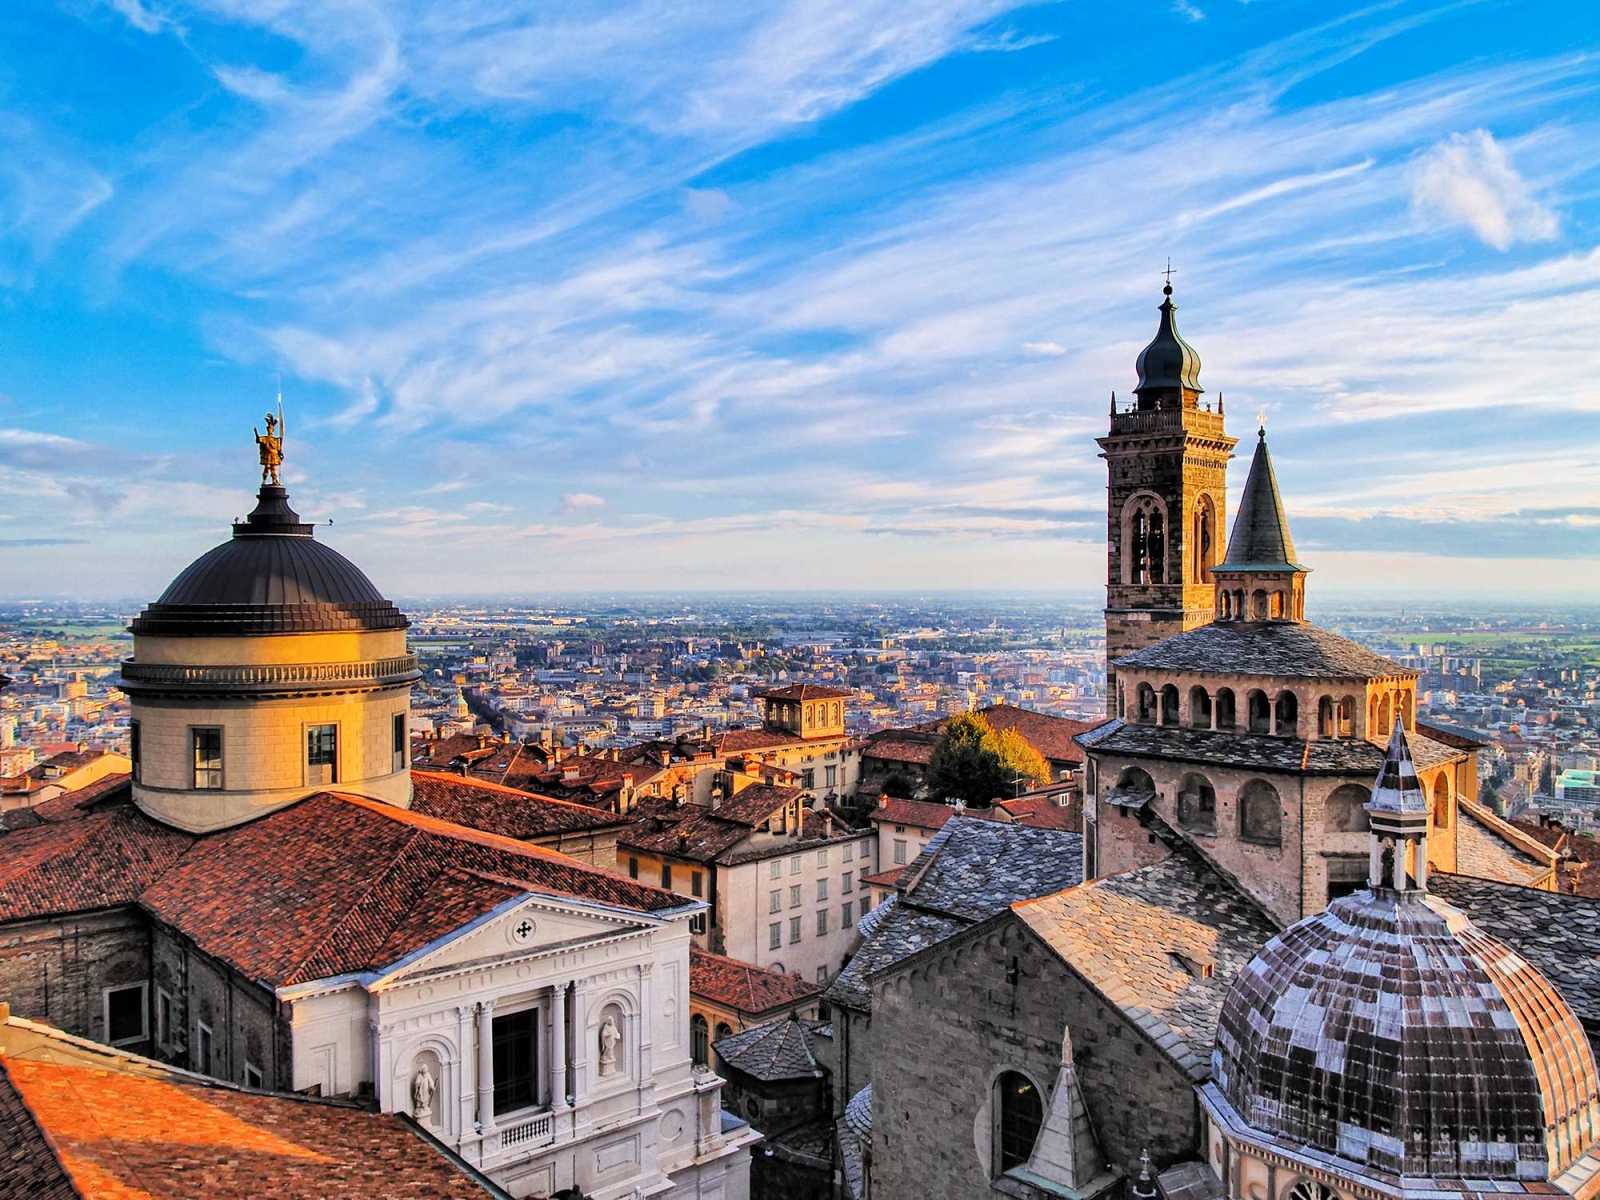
(271, 446)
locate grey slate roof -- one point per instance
(773, 1052)
(970, 870)
(1558, 934)
(1324, 756)
(1261, 540)
(1289, 648)
(1480, 852)
(1144, 938)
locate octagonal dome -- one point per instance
(271, 577)
(1390, 1031)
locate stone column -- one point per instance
(466, 1073)
(558, 1042)
(646, 1016)
(1421, 872)
(1374, 863)
(486, 1066)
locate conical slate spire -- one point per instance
(1065, 1153)
(1168, 362)
(1397, 789)
(1261, 540)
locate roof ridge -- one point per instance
(490, 785)
(379, 880)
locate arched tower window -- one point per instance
(1197, 804)
(1441, 802)
(1169, 705)
(1204, 540)
(1144, 540)
(1288, 714)
(1147, 704)
(1199, 708)
(1226, 716)
(1345, 810)
(1325, 726)
(1347, 716)
(1259, 712)
(1019, 1111)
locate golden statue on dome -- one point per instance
(271, 447)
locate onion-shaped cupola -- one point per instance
(270, 668)
(1260, 578)
(1169, 367)
(1392, 1037)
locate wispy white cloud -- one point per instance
(581, 501)
(1468, 179)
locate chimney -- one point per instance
(683, 842)
(569, 774)
(827, 824)
(883, 800)
(583, 749)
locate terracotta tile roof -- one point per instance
(686, 832)
(920, 814)
(900, 746)
(98, 861)
(807, 691)
(1162, 943)
(441, 752)
(885, 878)
(29, 1168)
(750, 990)
(1576, 849)
(735, 741)
(1042, 812)
(65, 763)
(507, 811)
(103, 793)
(753, 805)
(1453, 735)
(120, 1126)
(339, 884)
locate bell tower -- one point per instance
(1167, 465)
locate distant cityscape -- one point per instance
(611, 672)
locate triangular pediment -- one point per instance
(523, 927)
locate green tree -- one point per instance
(975, 765)
(896, 784)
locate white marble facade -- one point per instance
(588, 979)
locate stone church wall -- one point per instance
(57, 970)
(947, 1025)
(241, 1015)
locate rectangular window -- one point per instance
(822, 972)
(822, 857)
(252, 1076)
(516, 1061)
(831, 775)
(794, 896)
(775, 936)
(847, 881)
(202, 1048)
(697, 923)
(666, 875)
(822, 922)
(808, 778)
(633, 868)
(866, 905)
(322, 754)
(127, 1017)
(135, 755)
(207, 745)
(400, 741)
(794, 930)
(847, 915)
(899, 851)
(822, 889)
(696, 883)
(794, 865)
(849, 851)
(775, 869)
(163, 1018)
(774, 902)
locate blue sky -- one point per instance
(817, 294)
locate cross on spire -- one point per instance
(1169, 272)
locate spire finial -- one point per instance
(1169, 272)
(1261, 423)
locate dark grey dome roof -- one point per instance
(272, 576)
(1168, 362)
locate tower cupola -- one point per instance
(1169, 368)
(1260, 580)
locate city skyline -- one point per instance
(819, 310)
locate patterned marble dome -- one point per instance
(1390, 1031)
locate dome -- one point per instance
(1390, 1031)
(272, 576)
(1168, 362)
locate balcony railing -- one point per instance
(268, 677)
(1160, 420)
(527, 1133)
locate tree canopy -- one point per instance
(974, 764)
